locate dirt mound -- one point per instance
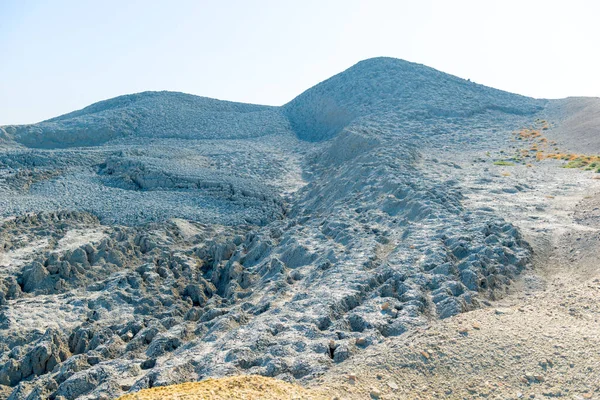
(235, 387)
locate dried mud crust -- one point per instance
(540, 342)
(235, 387)
(282, 249)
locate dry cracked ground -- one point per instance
(393, 232)
(541, 340)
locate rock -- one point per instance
(148, 364)
(193, 314)
(342, 353)
(470, 279)
(93, 360)
(375, 393)
(552, 392)
(161, 345)
(392, 385)
(530, 377)
(82, 382)
(196, 294)
(49, 351)
(71, 366)
(79, 256)
(449, 307)
(33, 276)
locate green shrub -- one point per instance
(504, 163)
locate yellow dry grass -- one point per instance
(250, 387)
(540, 148)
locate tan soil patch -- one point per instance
(235, 387)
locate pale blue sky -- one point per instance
(61, 55)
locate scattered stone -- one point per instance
(552, 392)
(149, 363)
(342, 353)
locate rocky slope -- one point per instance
(160, 238)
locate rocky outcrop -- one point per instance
(42, 357)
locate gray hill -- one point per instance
(152, 115)
(161, 237)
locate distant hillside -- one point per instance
(153, 115)
(578, 119)
(372, 87)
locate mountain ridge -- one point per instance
(371, 86)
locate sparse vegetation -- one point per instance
(504, 163)
(576, 163)
(541, 148)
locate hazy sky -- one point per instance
(61, 55)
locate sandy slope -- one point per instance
(237, 387)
